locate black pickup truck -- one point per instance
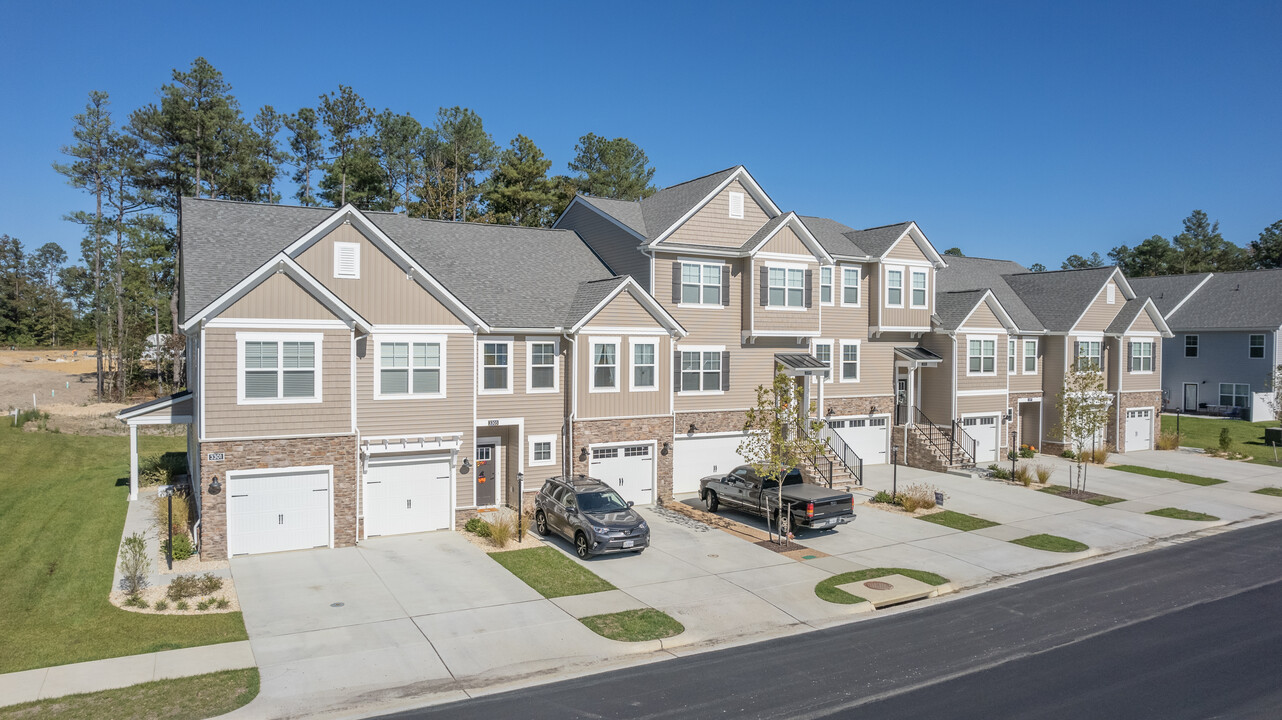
(810, 506)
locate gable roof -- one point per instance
(877, 240)
(625, 212)
(835, 237)
(953, 309)
(1131, 310)
(594, 296)
(1059, 298)
(1168, 291)
(1246, 300)
(969, 273)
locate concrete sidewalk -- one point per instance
(97, 675)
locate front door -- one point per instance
(1190, 397)
(901, 401)
(487, 475)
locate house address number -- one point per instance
(215, 457)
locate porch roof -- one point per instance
(801, 363)
(918, 355)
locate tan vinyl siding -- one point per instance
(1021, 382)
(786, 242)
(614, 245)
(906, 249)
(980, 404)
(224, 418)
(712, 224)
(383, 294)
(846, 320)
(774, 319)
(623, 311)
(1055, 350)
(624, 402)
(416, 416)
(904, 316)
(984, 317)
(936, 398)
(706, 325)
(750, 366)
(965, 381)
(1144, 323)
(277, 298)
(1098, 316)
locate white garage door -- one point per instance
(868, 437)
(271, 512)
(698, 457)
(1139, 430)
(628, 469)
(984, 430)
(407, 495)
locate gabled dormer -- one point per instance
(902, 283)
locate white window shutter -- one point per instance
(736, 204)
(347, 260)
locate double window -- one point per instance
(849, 361)
(1030, 357)
(409, 368)
(496, 366)
(981, 356)
(895, 288)
(919, 288)
(605, 364)
(1190, 346)
(1235, 395)
(825, 285)
(701, 283)
(1141, 357)
(786, 287)
(280, 368)
(700, 370)
(644, 365)
(850, 286)
(1256, 347)
(1088, 355)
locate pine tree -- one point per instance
(1267, 251)
(458, 152)
(394, 146)
(615, 168)
(346, 115)
(307, 151)
(1202, 248)
(518, 191)
(268, 123)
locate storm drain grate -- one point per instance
(878, 585)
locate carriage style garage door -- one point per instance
(698, 457)
(629, 469)
(984, 430)
(1139, 430)
(868, 437)
(407, 495)
(271, 512)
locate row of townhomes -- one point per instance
(354, 374)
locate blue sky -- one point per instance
(1027, 130)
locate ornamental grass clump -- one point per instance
(1024, 474)
(917, 496)
(1043, 473)
(1167, 441)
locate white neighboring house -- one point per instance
(154, 347)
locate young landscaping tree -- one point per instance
(1274, 387)
(780, 436)
(1084, 409)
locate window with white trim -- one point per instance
(542, 450)
(700, 370)
(850, 286)
(787, 287)
(823, 353)
(849, 361)
(736, 205)
(605, 365)
(1010, 357)
(981, 356)
(1190, 346)
(825, 285)
(1256, 347)
(1235, 395)
(1142, 357)
(895, 288)
(496, 366)
(701, 283)
(644, 365)
(919, 288)
(409, 369)
(542, 357)
(1030, 357)
(1088, 355)
(276, 369)
(347, 260)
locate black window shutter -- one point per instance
(676, 370)
(765, 286)
(810, 278)
(1126, 362)
(725, 285)
(725, 371)
(676, 283)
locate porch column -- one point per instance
(820, 411)
(909, 390)
(805, 398)
(133, 462)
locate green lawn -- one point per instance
(957, 521)
(1272, 491)
(634, 625)
(64, 500)
(551, 573)
(1182, 477)
(1088, 497)
(1051, 543)
(1178, 514)
(1204, 433)
(828, 590)
(189, 698)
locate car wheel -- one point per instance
(540, 523)
(581, 545)
(711, 500)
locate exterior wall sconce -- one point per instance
(214, 486)
(1009, 415)
(692, 429)
(467, 466)
(583, 454)
(666, 445)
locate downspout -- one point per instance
(360, 470)
(573, 372)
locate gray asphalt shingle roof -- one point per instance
(665, 207)
(833, 236)
(627, 212)
(1060, 297)
(1168, 290)
(1127, 314)
(1233, 300)
(952, 308)
(763, 231)
(876, 241)
(509, 276)
(588, 295)
(965, 273)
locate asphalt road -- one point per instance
(1189, 631)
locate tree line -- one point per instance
(196, 141)
(1200, 248)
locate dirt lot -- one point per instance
(63, 382)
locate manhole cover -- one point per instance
(336, 604)
(878, 585)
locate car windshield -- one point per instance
(603, 501)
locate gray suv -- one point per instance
(590, 514)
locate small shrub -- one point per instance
(222, 603)
(204, 605)
(208, 584)
(1068, 454)
(182, 547)
(161, 604)
(183, 586)
(27, 416)
(1226, 440)
(1167, 441)
(162, 469)
(999, 472)
(133, 564)
(917, 496)
(502, 530)
(181, 605)
(1024, 474)
(1043, 473)
(135, 600)
(478, 527)
(883, 497)
(1027, 451)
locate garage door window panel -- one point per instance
(279, 369)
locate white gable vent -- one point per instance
(736, 204)
(347, 260)
(1111, 294)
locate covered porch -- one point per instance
(175, 409)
